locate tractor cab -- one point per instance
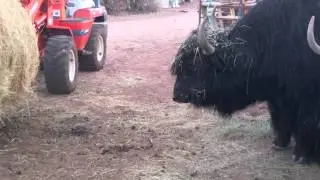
(73, 5)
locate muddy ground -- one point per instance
(121, 123)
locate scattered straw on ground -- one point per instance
(18, 52)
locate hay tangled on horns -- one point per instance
(216, 37)
(190, 46)
(19, 57)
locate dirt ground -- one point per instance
(121, 124)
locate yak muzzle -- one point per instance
(181, 98)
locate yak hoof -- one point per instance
(277, 148)
(301, 160)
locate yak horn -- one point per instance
(310, 37)
(204, 44)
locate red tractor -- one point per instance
(67, 44)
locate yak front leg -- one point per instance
(282, 127)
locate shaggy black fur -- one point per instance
(265, 57)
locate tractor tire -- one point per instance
(97, 45)
(60, 64)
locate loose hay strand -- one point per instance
(19, 53)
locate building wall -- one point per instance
(164, 3)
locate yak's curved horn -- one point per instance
(310, 37)
(204, 44)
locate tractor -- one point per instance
(68, 44)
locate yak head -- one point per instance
(203, 66)
(187, 67)
(193, 67)
(202, 72)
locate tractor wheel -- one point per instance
(60, 64)
(98, 46)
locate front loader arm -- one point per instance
(32, 6)
(37, 11)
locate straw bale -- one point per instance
(19, 57)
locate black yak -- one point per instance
(270, 55)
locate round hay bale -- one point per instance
(19, 56)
